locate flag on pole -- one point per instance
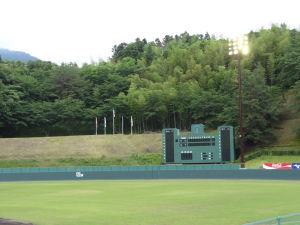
(105, 122)
(131, 122)
(113, 121)
(122, 125)
(96, 121)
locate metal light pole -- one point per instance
(242, 143)
(238, 47)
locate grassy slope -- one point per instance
(79, 146)
(148, 202)
(286, 138)
(80, 150)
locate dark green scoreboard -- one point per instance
(198, 147)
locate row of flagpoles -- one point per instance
(114, 115)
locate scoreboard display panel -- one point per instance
(198, 147)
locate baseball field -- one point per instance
(148, 202)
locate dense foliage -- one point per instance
(172, 82)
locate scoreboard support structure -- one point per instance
(198, 147)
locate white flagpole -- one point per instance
(104, 125)
(131, 123)
(113, 121)
(96, 126)
(122, 126)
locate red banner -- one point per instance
(277, 166)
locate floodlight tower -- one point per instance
(239, 47)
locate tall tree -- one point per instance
(290, 62)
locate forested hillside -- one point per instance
(173, 82)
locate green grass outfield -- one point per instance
(151, 202)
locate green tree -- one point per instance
(290, 62)
(261, 107)
(133, 50)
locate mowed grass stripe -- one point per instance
(174, 202)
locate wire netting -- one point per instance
(281, 220)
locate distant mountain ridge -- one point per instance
(10, 55)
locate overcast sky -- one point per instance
(84, 30)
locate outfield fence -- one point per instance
(145, 172)
(123, 168)
(280, 220)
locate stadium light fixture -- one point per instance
(239, 45)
